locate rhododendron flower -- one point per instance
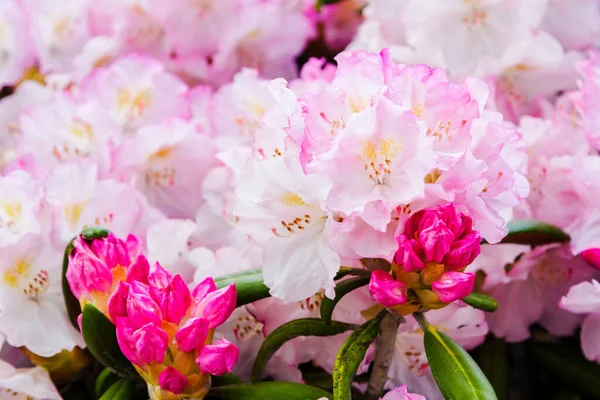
(435, 248)
(584, 298)
(33, 383)
(33, 313)
(15, 43)
(401, 393)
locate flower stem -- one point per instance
(385, 345)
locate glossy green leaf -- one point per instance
(104, 381)
(268, 391)
(492, 358)
(120, 390)
(249, 285)
(289, 331)
(341, 289)
(457, 375)
(73, 306)
(534, 233)
(481, 301)
(351, 354)
(101, 339)
(94, 232)
(569, 366)
(225, 379)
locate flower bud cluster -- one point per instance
(435, 247)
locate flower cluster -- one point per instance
(435, 248)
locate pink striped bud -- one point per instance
(160, 277)
(141, 308)
(115, 251)
(218, 358)
(217, 306)
(592, 257)
(86, 273)
(151, 342)
(139, 270)
(386, 290)
(463, 252)
(172, 380)
(409, 254)
(203, 288)
(453, 286)
(117, 302)
(125, 330)
(192, 335)
(436, 240)
(174, 299)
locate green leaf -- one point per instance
(351, 354)
(481, 301)
(225, 379)
(289, 331)
(569, 366)
(534, 233)
(268, 391)
(101, 339)
(249, 285)
(492, 358)
(457, 375)
(341, 289)
(120, 390)
(94, 232)
(73, 306)
(104, 381)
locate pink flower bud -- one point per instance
(453, 286)
(160, 277)
(172, 380)
(86, 273)
(203, 288)
(139, 270)
(117, 302)
(463, 252)
(409, 254)
(134, 247)
(115, 252)
(218, 358)
(125, 332)
(386, 290)
(217, 306)
(592, 257)
(151, 342)
(173, 300)
(141, 308)
(192, 335)
(436, 240)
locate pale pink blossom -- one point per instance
(584, 298)
(29, 382)
(16, 47)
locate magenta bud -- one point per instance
(173, 300)
(139, 270)
(79, 322)
(436, 240)
(218, 358)
(117, 302)
(409, 254)
(134, 247)
(453, 286)
(141, 308)
(192, 335)
(172, 380)
(151, 342)
(160, 277)
(592, 257)
(86, 273)
(115, 252)
(386, 290)
(203, 288)
(463, 252)
(217, 306)
(125, 331)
